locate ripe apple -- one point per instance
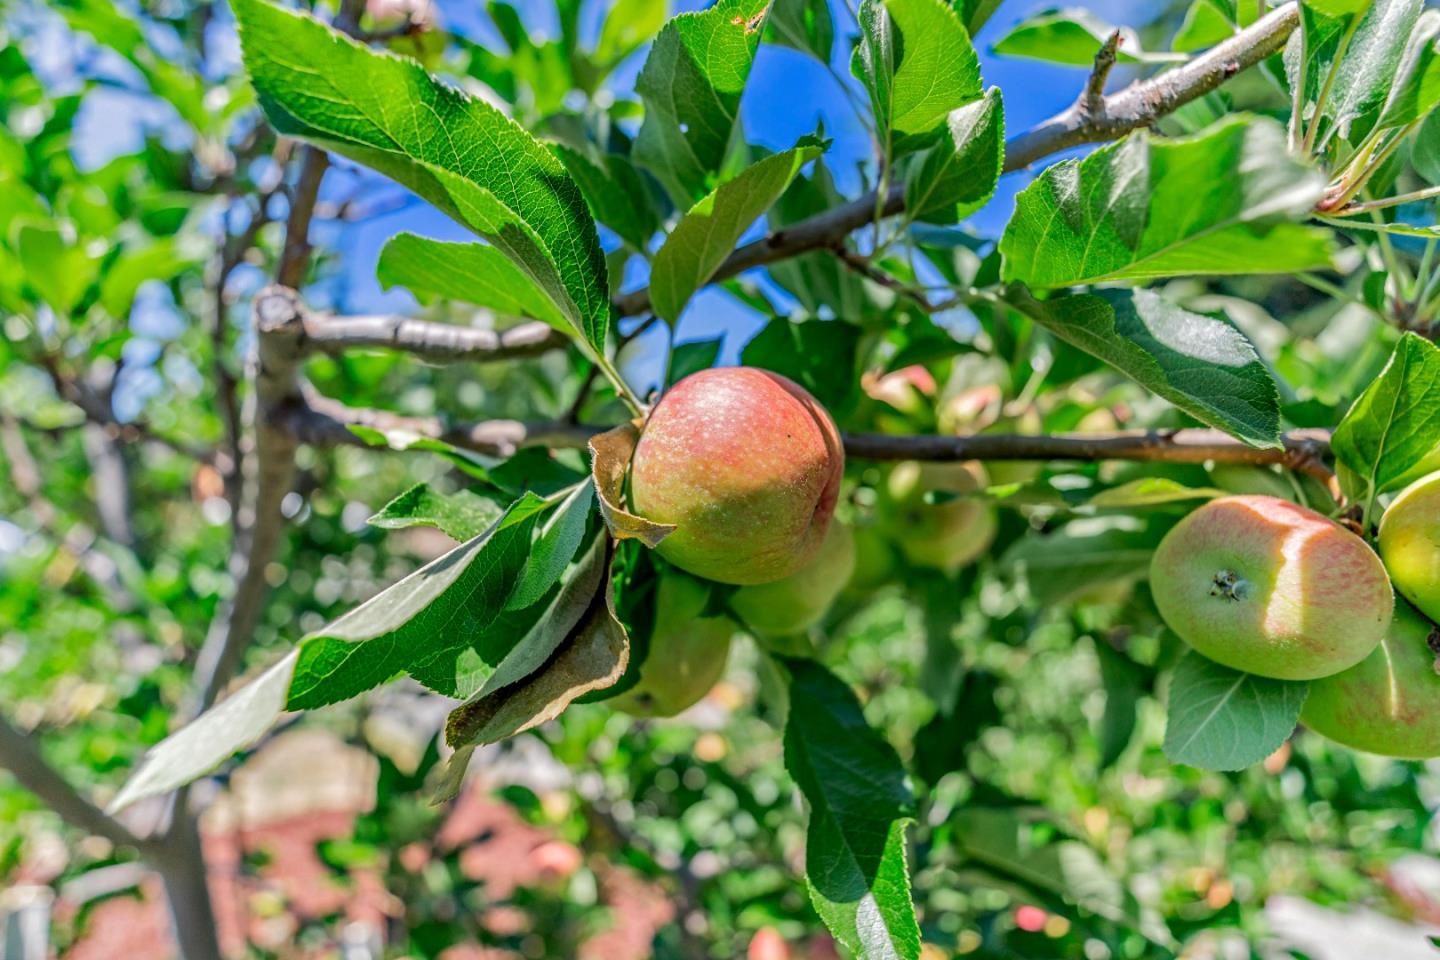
(943, 535)
(1272, 588)
(747, 465)
(1389, 703)
(687, 651)
(796, 603)
(1410, 544)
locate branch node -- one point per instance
(1092, 101)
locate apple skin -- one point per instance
(1272, 588)
(1389, 703)
(939, 536)
(1409, 543)
(687, 651)
(875, 563)
(796, 603)
(747, 465)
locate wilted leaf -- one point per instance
(610, 454)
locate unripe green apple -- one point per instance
(687, 651)
(1271, 588)
(1410, 544)
(944, 535)
(747, 465)
(796, 603)
(1389, 703)
(875, 563)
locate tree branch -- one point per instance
(434, 342)
(20, 755)
(1086, 121)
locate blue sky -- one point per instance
(787, 95)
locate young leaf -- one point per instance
(1202, 364)
(1368, 62)
(628, 25)
(461, 515)
(1072, 36)
(618, 193)
(212, 738)
(576, 647)
(1214, 203)
(805, 25)
(958, 175)
(1221, 719)
(917, 61)
(1391, 434)
(706, 234)
(463, 155)
(691, 86)
(467, 272)
(610, 454)
(860, 805)
(1416, 88)
(430, 616)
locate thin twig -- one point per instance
(430, 341)
(1092, 101)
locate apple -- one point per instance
(747, 466)
(1272, 588)
(796, 603)
(687, 651)
(1410, 544)
(1389, 703)
(944, 535)
(875, 563)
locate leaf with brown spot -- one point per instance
(610, 454)
(578, 646)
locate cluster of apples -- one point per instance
(747, 466)
(1269, 587)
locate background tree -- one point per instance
(1001, 748)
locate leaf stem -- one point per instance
(1386, 202)
(1328, 85)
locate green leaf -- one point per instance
(464, 272)
(1202, 364)
(628, 25)
(1124, 685)
(610, 455)
(618, 193)
(1065, 872)
(817, 280)
(578, 646)
(976, 13)
(1207, 22)
(552, 550)
(425, 623)
(1062, 564)
(212, 738)
(1211, 204)
(1391, 434)
(1416, 88)
(1072, 36)
(1221, 719)
(706, 234)
(55, 266)
(461, 515)
(402, 440)
(820, 355)
(805, 25)
(158, 259)
(1150, 492)
(691, 85)
(1369, 61)
(958, 175)
(461, 154)
(917, 61)
(688, 358)
(860, 805)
